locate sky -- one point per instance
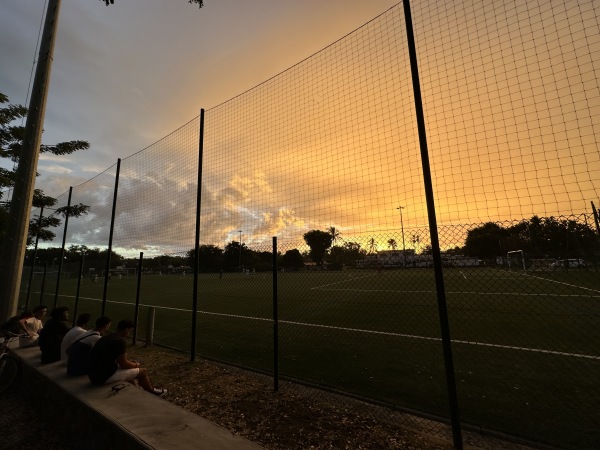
(128, 74)
(310, 118)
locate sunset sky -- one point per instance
(307, 126)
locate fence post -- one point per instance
(150, 326)
(137, 297)
(197, 238)
(44, 283)
(433, 230)
(275, 320)
(62, 249)
(78, 287)
(110, 237)
(37, 240)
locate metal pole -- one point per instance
(62, 250)
(37, 240)
(240, 262)
(110, 238)
(15, 243)
(137, 297)
(595, 211)
(435, 245)
(275, 320)
(150, 326)
(43, 282)
(78, 287)
(197, 238)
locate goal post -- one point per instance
(515, 260)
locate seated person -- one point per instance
(31, 326)
(52, 334)
(79, 351)
(109, 362)
(72, 334)
(12, 325)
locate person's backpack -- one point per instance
(79, 356)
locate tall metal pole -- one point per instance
(240, 263)
(433, 230)
(275, 320)
(110, 236)
(37, 240)
(15, 242)
(62, 249)
(137, 297)
(197, 237)
(400, 208)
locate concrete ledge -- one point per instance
(100, 418)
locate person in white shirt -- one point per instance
(32, 326)
(72, 334)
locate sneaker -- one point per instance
(160, 392)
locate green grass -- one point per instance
(525, 345)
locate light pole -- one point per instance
(240, 231)
(400, 208)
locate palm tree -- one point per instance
(392, 244)
(335, 234)
(372, 245)
(416, 238)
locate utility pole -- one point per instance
(15, 242)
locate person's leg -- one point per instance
(144, 380)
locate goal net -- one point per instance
(515, 260)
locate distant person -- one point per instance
(12, 325)
(109, 362)
(52, 334)
(72, 334)
(79, 352)
(31, 326)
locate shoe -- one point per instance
(160, 392)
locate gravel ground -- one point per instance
(295, 417)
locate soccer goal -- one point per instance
(516, 260)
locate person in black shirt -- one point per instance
(52, 334)
(109, 362)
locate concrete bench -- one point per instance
(130, 418)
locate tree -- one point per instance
(416, 239)
(372, 243)
(345, 255)
(538, 237)
(392, 244)
(485, 241)
(335, 234)
(292, 259)
(210, 258)
(318, 241)
(11, 143)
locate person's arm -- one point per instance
(124, 363)
(24, 328)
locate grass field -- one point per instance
(526, 346)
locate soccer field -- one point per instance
(525, 345)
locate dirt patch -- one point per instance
(294, 417)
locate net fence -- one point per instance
(326, 157)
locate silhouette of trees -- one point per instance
(318, 241)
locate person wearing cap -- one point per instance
(109, 362)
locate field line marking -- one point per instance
(342, 281)
(428, 338)
(360, 330)
(519, 294)
(564, 284)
